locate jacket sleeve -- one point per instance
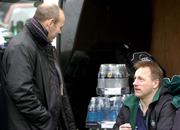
(123, 117)
(19, 66)
(166, 116)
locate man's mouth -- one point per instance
(136, 89)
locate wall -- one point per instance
(165, 46)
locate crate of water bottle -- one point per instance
(112, 76)
(111, 79)
(103, 109)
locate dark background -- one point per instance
(108, 31)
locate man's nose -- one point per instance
(59, 31)
(134, 82)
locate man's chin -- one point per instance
(137, 94)
(51, 40)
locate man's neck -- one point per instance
(145, 101)
(144, 106)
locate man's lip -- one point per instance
(136, 89)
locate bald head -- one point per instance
(51, 18)
(62, 17)
(48, 11)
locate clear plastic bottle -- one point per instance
(99, 108)
(101, 79)
(92, 115)
(118, 104)
(110, 76)
(107, 107)
(115, 106)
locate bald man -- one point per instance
(34, 92)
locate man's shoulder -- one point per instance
(21, 41)
(173, 84)
(131, 100)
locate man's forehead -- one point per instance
(143, 71)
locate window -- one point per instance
(13, 17)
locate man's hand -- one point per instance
(125, 126)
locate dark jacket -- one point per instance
(160, 114)
(174, 85)
(176, 125)
(3, 117)
(33, 93)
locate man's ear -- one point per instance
(156, 83)
(51, 21)
(48, 23)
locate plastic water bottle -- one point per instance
(106, 109)
(101, 76)
(115, 108)
(118, 105)
(99, 108)
(101, 79)
(92, 115)
(112, 112)
(110, 76)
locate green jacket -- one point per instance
(174, 85)
(160, 113)
(132, 103)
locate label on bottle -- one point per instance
(112, 91)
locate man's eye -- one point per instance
(139, 78)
